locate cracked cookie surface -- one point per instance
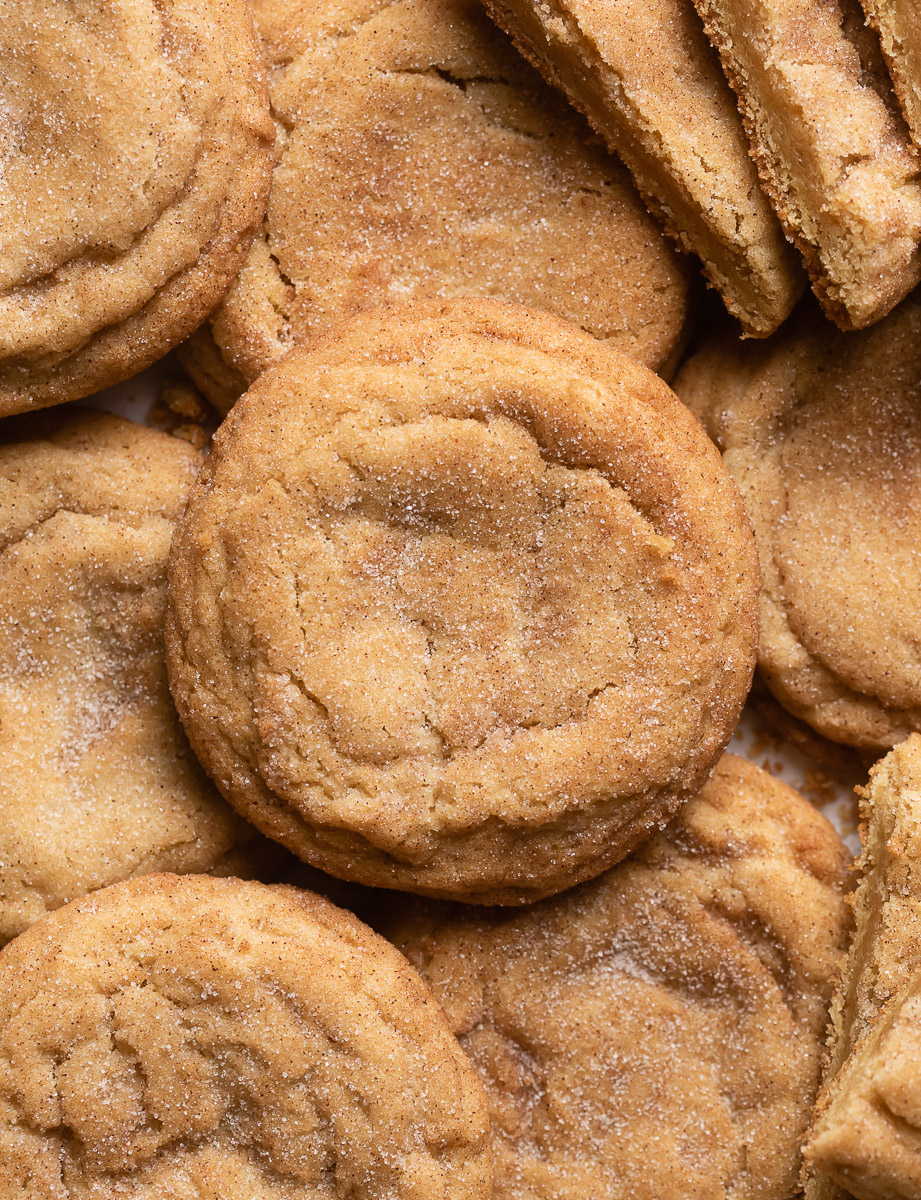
(97, 781)
(191, 1037)
(463, 603)
(658, 1031)
(421, 157)
(822, 432)
(135, 163)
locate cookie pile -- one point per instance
(367, 825)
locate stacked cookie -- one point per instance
(448, 633)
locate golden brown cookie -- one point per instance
(464, 603)
(869, 1136)
(866, 1119)
(832, 150)
(421, 158)
(651, 84)
(822, 432)
(135, 164)
(97, 781)
(656, 1033)
(896, 22)
(187, 1037)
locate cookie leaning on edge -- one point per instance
(651, 84)
(97, 781)
(831, 147)
(896, 22)
(424, 159)
(864, 1136)
(185, 1036)
(657, 1032)
(822, 432)
(136, 164)
(463, 603)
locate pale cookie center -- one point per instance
(451, 585)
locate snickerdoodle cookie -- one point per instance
(651, 84)
(869, 1136)
(831, 147)
(896, 22)
(658, 1032)
(97, 781)
(187, 1037)
(135, 163)
(822, 432)
(421, 157)
(463, 603)
(865, 1136)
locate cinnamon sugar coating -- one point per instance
(463, 603)
(97, 781)
(832, 149)
(651, 84)
(135, 164)
(896, 22)
(188, 1037)
(865, 1136)
(421, 158)
(822, 432)
(658, 1031)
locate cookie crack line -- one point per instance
(460, 83)
(448, 751)
(338, 34)
(103, 518)
(98, 257)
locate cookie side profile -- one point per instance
(652, 86)
(883, 961)
(833, 155)
(137, 163)
(187, 1036)
(97, 781)
(658, 1031)
(422, 158)
(463, 603)
(868, 1140)
(896, 22)
(822, 432)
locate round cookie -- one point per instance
(822, 432)
(97, 781)
(191, 1037)
(422, 158)
(464, 603)
(135, 159)
(659, 1031)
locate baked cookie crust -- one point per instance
(97, 780)
(652, 86)
(658, 1031)
(832, 149)
(190, 1037)
(136, 154)
(463, 603)
(422, 158)
(822, 432)
(862, 1137)
(896, 22)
